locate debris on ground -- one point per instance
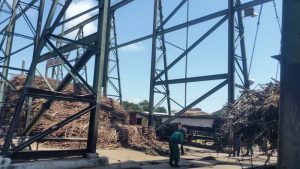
(254, 115)
(114, 130)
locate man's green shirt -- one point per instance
(177, 136)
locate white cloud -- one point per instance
(136, 47)
(77, 7)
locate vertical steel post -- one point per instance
(117, 57)
(36, 42)
(57, 70)
(46, 72)
(186, 56)
(289, 126)
(53, 73)
(231, 51)
(113, 63)
(8, 49)
(23, 67)
(164, 57)
(243, 47)
(79, 52)
(153, 60)
(231, 61)
(106, 60)
(103, 21)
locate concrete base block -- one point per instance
(4, 162)
(75, 163)
(92, 155)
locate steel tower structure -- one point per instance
(102, 45)
(57, 65)
(112, 85)
(45, 34)
(6, 53)
(159, 76)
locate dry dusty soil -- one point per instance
(195, 158)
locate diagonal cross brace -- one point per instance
(192, 47)
(81, 62)
(51, 129)
(193, 104)
(37, 51)
(70, 66)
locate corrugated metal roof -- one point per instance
(188, 114)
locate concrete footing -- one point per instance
(4, 162)
(75, 163)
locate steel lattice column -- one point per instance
(103, 29)
(112, 86)
(8, 50)
(163, 54)
(289, 126)
(36, 43)
(158, 63)
(153, 60)
(241, 34)
(83, 72)
(231, 51)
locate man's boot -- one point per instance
(176, 164)
(171, 163)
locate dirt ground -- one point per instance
(195, 158)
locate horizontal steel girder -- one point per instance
(69, 47)
(193, 79)
(195, 21)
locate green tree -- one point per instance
(161, 110)
(131, 106)
(145, 105)
(142, 106)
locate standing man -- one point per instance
(176, 138)
(236, 145)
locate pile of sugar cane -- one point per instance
(113, 131)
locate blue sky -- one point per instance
(210, 57)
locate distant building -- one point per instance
(193, 117)
(138, 118)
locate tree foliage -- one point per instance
(131, 106)
(161, 110)
(142, 106)
(145, 105)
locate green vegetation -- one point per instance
(142, 106)
(161, 110)
(132, 106)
